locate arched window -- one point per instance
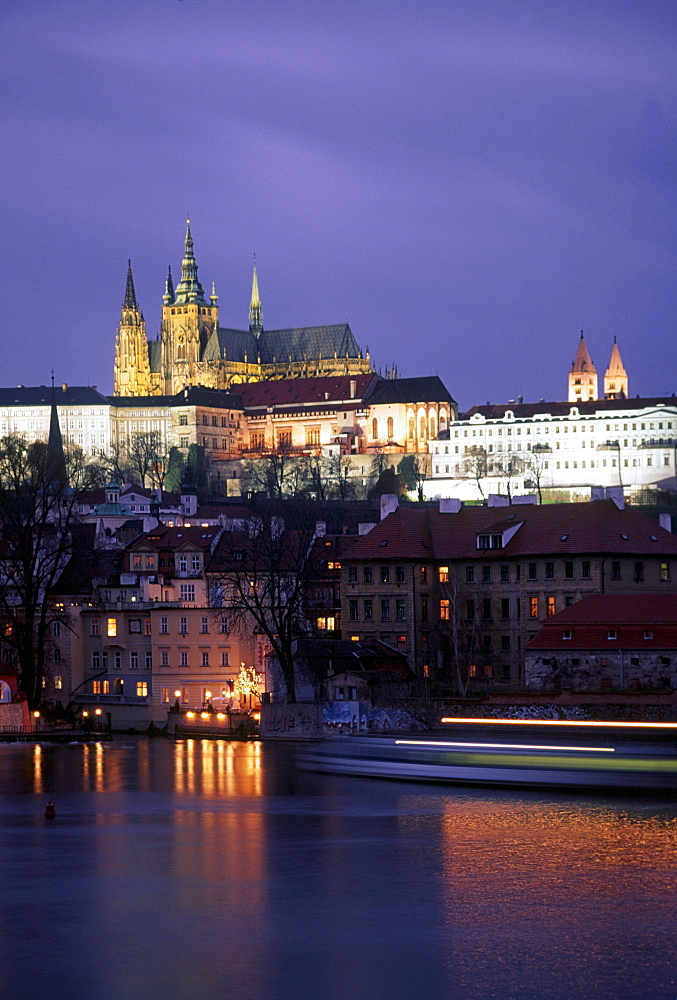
(391, 428)
(443, 420)
(422, 429)
(432, 426)
(412, 428)
(374, 429)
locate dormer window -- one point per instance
(483, 541)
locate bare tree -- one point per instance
(415, 469)
(147, 457)
(476, 466)
(534, 471)
(263, 575)
(339, 474)
(37, 518)
(279, 474)
(461, 606)
(317, 472)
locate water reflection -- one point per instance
(210, 869)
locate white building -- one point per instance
(84, 415)
(630, 443)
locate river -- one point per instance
(210, 870)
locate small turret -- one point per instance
(168, 297)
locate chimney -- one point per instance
(496, 500)
(665, 521)
(389, 503)
(615, 493)
(450, 505)
(527, 498)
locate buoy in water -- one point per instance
(50, 812)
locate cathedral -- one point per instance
(192, 349)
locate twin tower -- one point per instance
(583, 385)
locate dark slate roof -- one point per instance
(296, 343)
(194, 395)
(295, 391)
(525, 410)
(308, 342)
(236, 344)
(155, 355)
(427, 389)
(41, 395)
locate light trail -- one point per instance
(503, 746)
(564, 722)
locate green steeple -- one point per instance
(189, 288)
(255, 313)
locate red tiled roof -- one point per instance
(294, 391)
(549, 529)
(640, 621)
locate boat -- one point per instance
(464, 758)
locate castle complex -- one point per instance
(192, 349)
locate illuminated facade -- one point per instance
(192, 349)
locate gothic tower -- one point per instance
(615, 377)
(255, 314)
(132, 367)
(188, 321)
(583, 376)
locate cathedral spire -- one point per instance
(255, 313)
(130, 295)
(615, 377)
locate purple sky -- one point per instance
(471, 183)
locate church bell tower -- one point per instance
(188, 320)
(583, 375)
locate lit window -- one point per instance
(550, 606)
(112, 626)
(142, 689)
(444, 610)
(58, 684)
(443, 574)
(533, 607)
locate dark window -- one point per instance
(505, 607)
(518, 573)
(424, 574)
(486, 608)
(400, 614)
(569, 570)
(354, 613)
(532, 571)
(368, 611)
(505, 671)
(639, 572)
(585, 570)
(352, 574)
(368, 576)
(385, 574)
(550, 571)
(469, 574)
(497, 541)
(385, 610)
(486, 574)
(486, 643)
(505, 574)
(424, 609)
(399, 574)
(470, 610)
(505, 643)
(518, 607)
